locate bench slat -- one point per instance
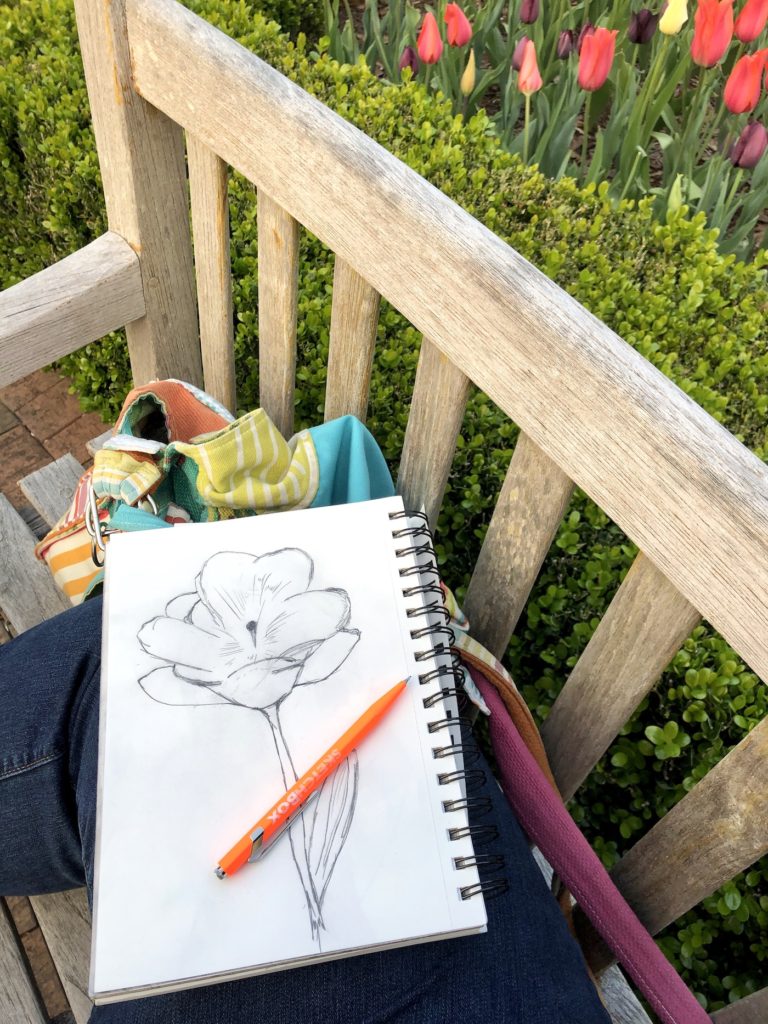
(77, 300)
(210, 226)
(682, 488)
(28, 594)
(19, 1002)
(751, 1010)
(278, 298)
(530, 507)
(65, 921)
(143, 171)
(50, 489)
(645, 625)
(695, 848)
(437, 409)
(354, 320)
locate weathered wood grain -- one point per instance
(141, 155)
(19, 1002)
(66, 924)
(98, 442)
(752, 1010)
(681, 487)
(437, 409)
(77, 300)
(645, 625)
(210, 229)
(529, 509)
(717, 830)
(354, 319)
(49, 490)
(278, 297)
(28, 594)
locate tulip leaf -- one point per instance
(330, 820)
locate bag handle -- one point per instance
(548, 824)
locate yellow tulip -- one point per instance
(467, 83)
(675, 16)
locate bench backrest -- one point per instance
(592, 412)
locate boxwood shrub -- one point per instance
(697, 316)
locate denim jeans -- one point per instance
(525, 970)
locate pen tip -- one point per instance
(220, 873)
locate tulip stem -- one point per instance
(585, 136)
(525, 130)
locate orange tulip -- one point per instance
(712, 31)
(751, 20)
(596, 58)
(528, 78)
(429, 43)
(459, 28)
(742, 90)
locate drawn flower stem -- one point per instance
(298, 848)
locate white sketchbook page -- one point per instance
(181, 784)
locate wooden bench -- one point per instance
(592, 412)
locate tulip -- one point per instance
(596, 58)
(713, 31)
(751, 20)
(519, 52)
(429, 43)
(529, 79)
(565, 43)
(467, 83)
(587, 29)
(410, 60)
(742, 90)
(674, 17)
(642, 25)
(529, 11)
(459, 28)
(749, 147)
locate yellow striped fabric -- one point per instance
(70, 562)
(250, 465)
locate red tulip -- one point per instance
(712, 31)
(742, 90)
(596, 57)
(459, 28)
(529, 79)
(751, 20)
(519, 52)
(429, 43)
(749, 147)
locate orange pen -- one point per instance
(260, 838)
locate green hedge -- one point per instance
(697, 316)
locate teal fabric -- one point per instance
(352, 467)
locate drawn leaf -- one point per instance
(330, 822)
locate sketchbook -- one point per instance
(228, 668)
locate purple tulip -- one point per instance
(587, 29)
(518, 53)
(410, 59)
(750, 146)
(529, 11)
(642, 25)
(565, 43)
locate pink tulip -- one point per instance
(529, 79)
(429, 43)
(459, 28)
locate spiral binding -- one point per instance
(417, 541)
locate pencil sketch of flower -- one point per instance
(251, 633)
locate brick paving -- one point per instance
(39, 422)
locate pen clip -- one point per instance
(260, 847)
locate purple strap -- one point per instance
(548, 824)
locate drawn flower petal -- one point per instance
(164, 686)
(180, 607)
(235, 586)
(196, 654)
(262, 683)
(330, 655)
(298, 622)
